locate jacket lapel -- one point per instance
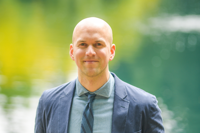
(120, 107)
(65, 102)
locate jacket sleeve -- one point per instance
(154, 120)
(40, 118)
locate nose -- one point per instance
(90, 51)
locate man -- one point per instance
(97, 101)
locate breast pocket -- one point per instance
(138, 131)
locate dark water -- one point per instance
(169, 67)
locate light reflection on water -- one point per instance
(177, 23)
(21, 115)
(169, 120)
(20, 111)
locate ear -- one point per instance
(112, 51)
(71, 51)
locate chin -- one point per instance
(92, 73)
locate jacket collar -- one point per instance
(120, 106)
(120, 88)
(64, 108)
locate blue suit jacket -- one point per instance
(134, 110)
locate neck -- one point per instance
(93, 83)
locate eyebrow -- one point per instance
(81, 41)
(99, 41)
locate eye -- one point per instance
(82, 44)
(98, 45)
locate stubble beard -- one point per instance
(93, 72)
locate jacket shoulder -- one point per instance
(140, 96)
(54, 91)
(134, 94)
(51, 96)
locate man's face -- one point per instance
(92, 50)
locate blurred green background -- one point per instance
(157, 49)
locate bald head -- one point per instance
(93, 24)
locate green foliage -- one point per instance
(35, 35)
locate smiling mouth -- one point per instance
(91, 61)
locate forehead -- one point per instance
(90, 32)
(87, 29)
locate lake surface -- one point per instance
(19, 117)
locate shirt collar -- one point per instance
(104, 91)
